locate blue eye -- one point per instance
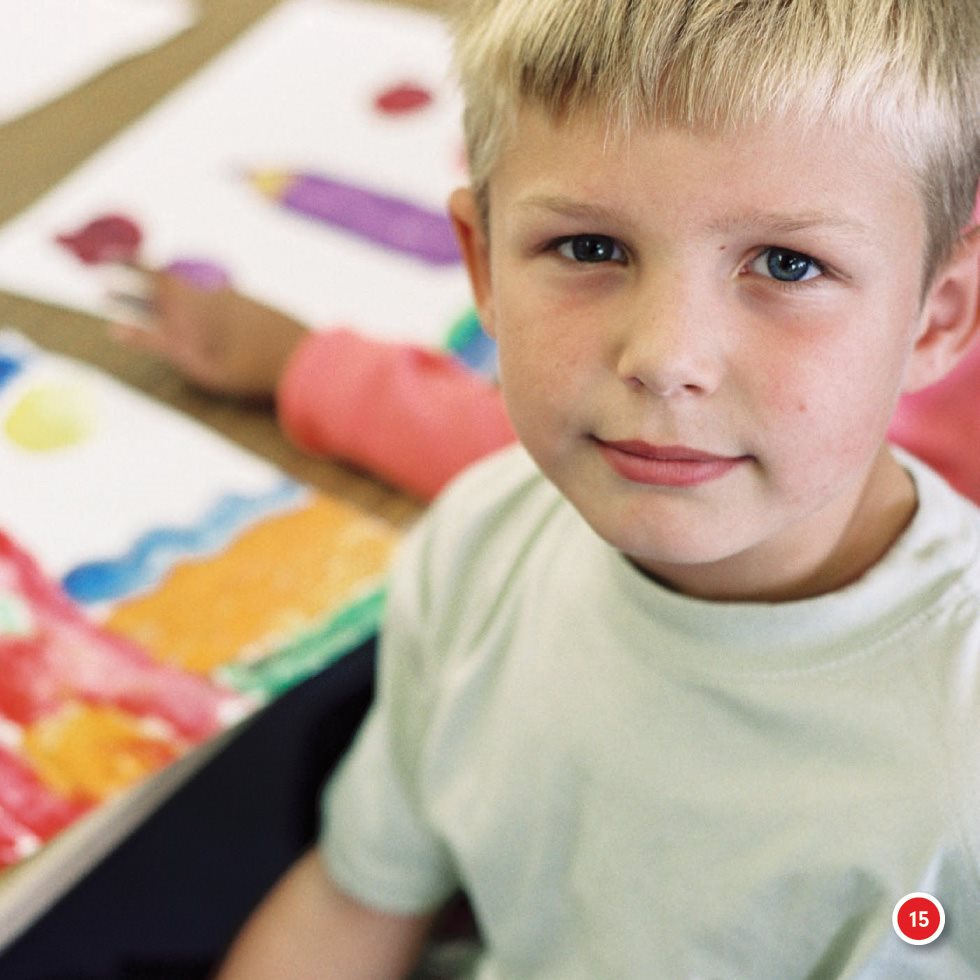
(785, 265)
(591, 248)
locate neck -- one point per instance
(873, 518)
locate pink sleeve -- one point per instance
(411, 416)
(941, 425)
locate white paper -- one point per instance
(47, 47)
(297, 93)
(139, 466)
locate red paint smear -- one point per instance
(68, 658)
(26, 804)
(109, 238)
(403, 98)
(10, 831)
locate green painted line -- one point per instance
(311, 651)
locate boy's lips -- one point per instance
(667, 466)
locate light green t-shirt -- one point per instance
(632, 783)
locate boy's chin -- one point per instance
(665, 552)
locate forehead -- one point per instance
(837, 176)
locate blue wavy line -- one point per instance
(9, 367)
(154, 553)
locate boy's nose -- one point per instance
(672, 345)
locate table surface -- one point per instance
(40, 149)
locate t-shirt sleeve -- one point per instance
(375, 837)
(411, 416)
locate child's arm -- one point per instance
(307, 928)
(219, 340)
(414, 418)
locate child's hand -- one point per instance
(217, 339)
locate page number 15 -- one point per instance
(918, 919)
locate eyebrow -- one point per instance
(774, 222)
(787, 223)
(568, 207)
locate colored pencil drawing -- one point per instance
(366, 241)
(134, 624)
(30, 812)
(398, 224)
(383, 219)
(62, 656)
(283, 578)
(153, 554)
(89, 472)
(85, 712)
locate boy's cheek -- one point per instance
(829, 428)
(559, 380)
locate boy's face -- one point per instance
(702, 339)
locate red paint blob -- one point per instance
(109, 238)
(403, 98)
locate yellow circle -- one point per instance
(51, 416)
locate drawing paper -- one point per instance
(357, 93)
(125, 463)
(157, 584)
(47, 47)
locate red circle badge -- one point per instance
(918, 919)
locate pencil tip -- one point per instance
(270, 183)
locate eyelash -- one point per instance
(557, 244)
(772, 250)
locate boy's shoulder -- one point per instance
(500, 496)
(944, 537)
(484, 524)
(941, 508)
(502, 475)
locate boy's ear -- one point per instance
(950, 317)
(465, 213)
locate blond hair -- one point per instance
(907, 69)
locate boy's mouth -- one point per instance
(667, 466)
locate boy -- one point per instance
(687, 686)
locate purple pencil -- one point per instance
(387, 221)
